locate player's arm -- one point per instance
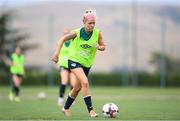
(7, 61)
(100, 46)
(64, 38)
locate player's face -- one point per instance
(89, 24)
(18, 51)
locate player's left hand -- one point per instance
(100, 47)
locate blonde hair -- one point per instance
(89, 12)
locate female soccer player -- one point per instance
(85, 42)
(65, 73)
(17, 71)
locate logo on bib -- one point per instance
(73, 64)
(85, 46)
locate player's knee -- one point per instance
(85, 84)
(76, 90)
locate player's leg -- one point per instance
(79, 73)
(73, 79)
(72, 95)
(64, 75)
(17, 79)
(81, 76)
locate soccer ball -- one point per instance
(110, 110)
(41, 96)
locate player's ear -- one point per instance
(84, 20)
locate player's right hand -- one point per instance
(55, 58)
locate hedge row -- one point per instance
(110, 79)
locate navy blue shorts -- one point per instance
(18, 75)
(73, 65)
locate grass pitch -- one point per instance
(134, 104)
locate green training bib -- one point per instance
(18, 64)
(84, 51)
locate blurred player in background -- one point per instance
(85, 42)
(16, 64)
(65, 72)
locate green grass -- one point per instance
(134, 104)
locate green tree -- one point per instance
(172, 64)
(10, 38)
